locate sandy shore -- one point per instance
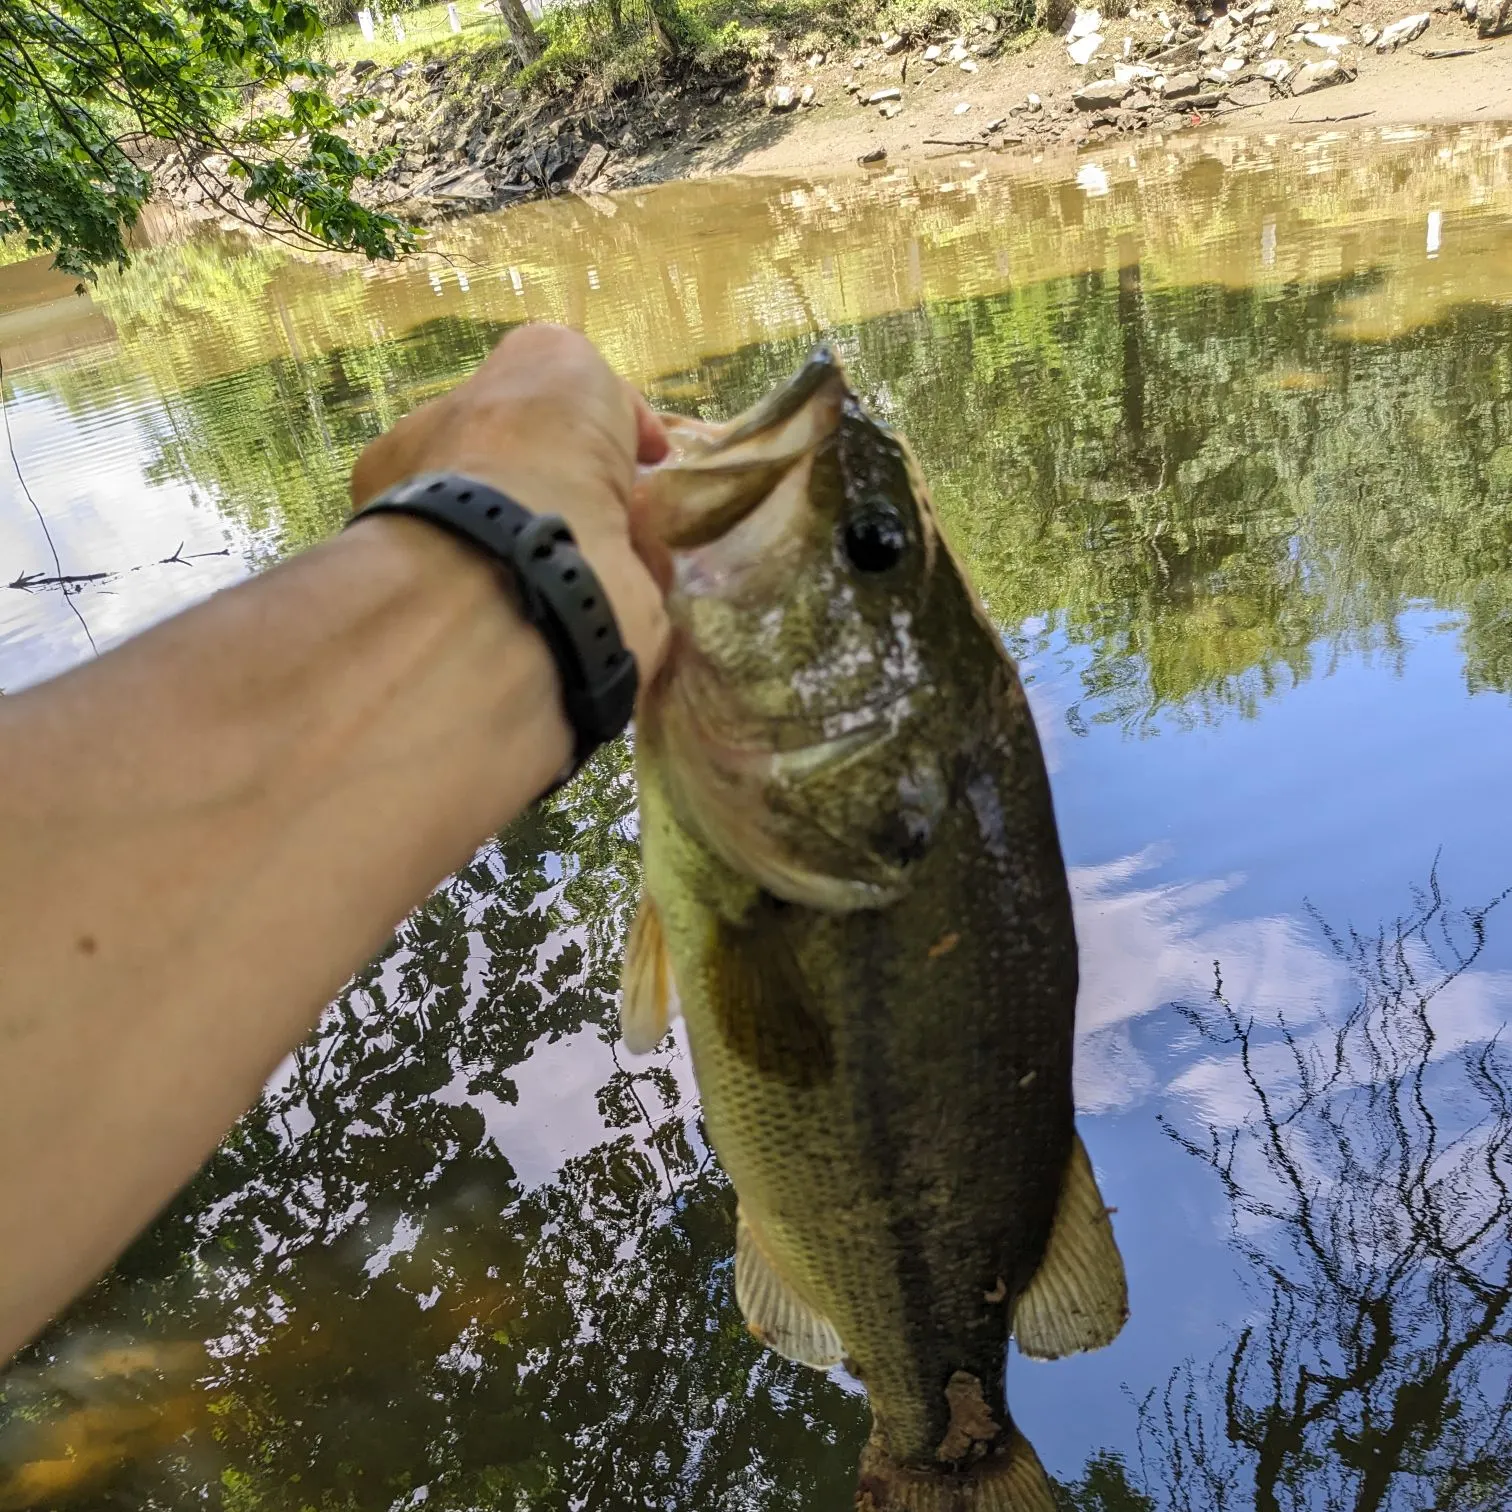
(1414, 84)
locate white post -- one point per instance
(365, 23)
(453, 19)
(398, 29)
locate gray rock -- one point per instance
(363, 66)
(1368, 35)
(781, 97)
(1408, 29)
(1176, 57)
(1277, 70)
(808, 95)
(876, 155)
(1101, 94)
(1313, 76)
(492, 147)
(1083, 49)
(1182, 84)
(590, 168)
(1221, 32)
(1139, 100)
(882, 96)
(1256, 92)
(1493, 18)
(889, 109)
(472, 185)
(893, 45)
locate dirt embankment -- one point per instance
(467, 144)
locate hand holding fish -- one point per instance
(209, 828)
(547, 421)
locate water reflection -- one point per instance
(384, 1306)
(1369, 1175)
(388, 1306)
(1231, 462)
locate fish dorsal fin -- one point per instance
(648, 995)
(762, 1005)
(1078, 1298)
(776, 1314)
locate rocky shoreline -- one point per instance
(466, 142)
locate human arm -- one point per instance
(205, 832)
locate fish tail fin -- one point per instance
(1010, 1479)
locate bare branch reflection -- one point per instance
(1371, 1190)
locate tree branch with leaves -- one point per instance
(87, 87)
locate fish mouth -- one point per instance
(717, 475)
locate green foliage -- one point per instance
(1104, 1486)
(427, 33)
(90, 88)
(614, 43)
(1135, 470)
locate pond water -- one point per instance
(1223, 429)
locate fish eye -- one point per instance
(874, 538)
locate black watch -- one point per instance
(559, 592)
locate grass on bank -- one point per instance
(607, 45)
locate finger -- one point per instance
(651, 444)
(575, 399)
(544, 355)
(649, 546)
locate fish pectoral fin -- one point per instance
(648, 995)
(780, 1318)
(1078, 1298)
(763, 1007)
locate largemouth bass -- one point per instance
(854, 892)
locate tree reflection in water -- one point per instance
(1370, 1182)
(386, 1306)
(1187, 485)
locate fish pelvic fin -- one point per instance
(1008, 1478)
(1078, 1298)
(648, 995)
(774, 1312)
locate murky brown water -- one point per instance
(1224, 431)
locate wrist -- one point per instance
(558, 591)
(494, 670)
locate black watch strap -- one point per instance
(560, 593)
